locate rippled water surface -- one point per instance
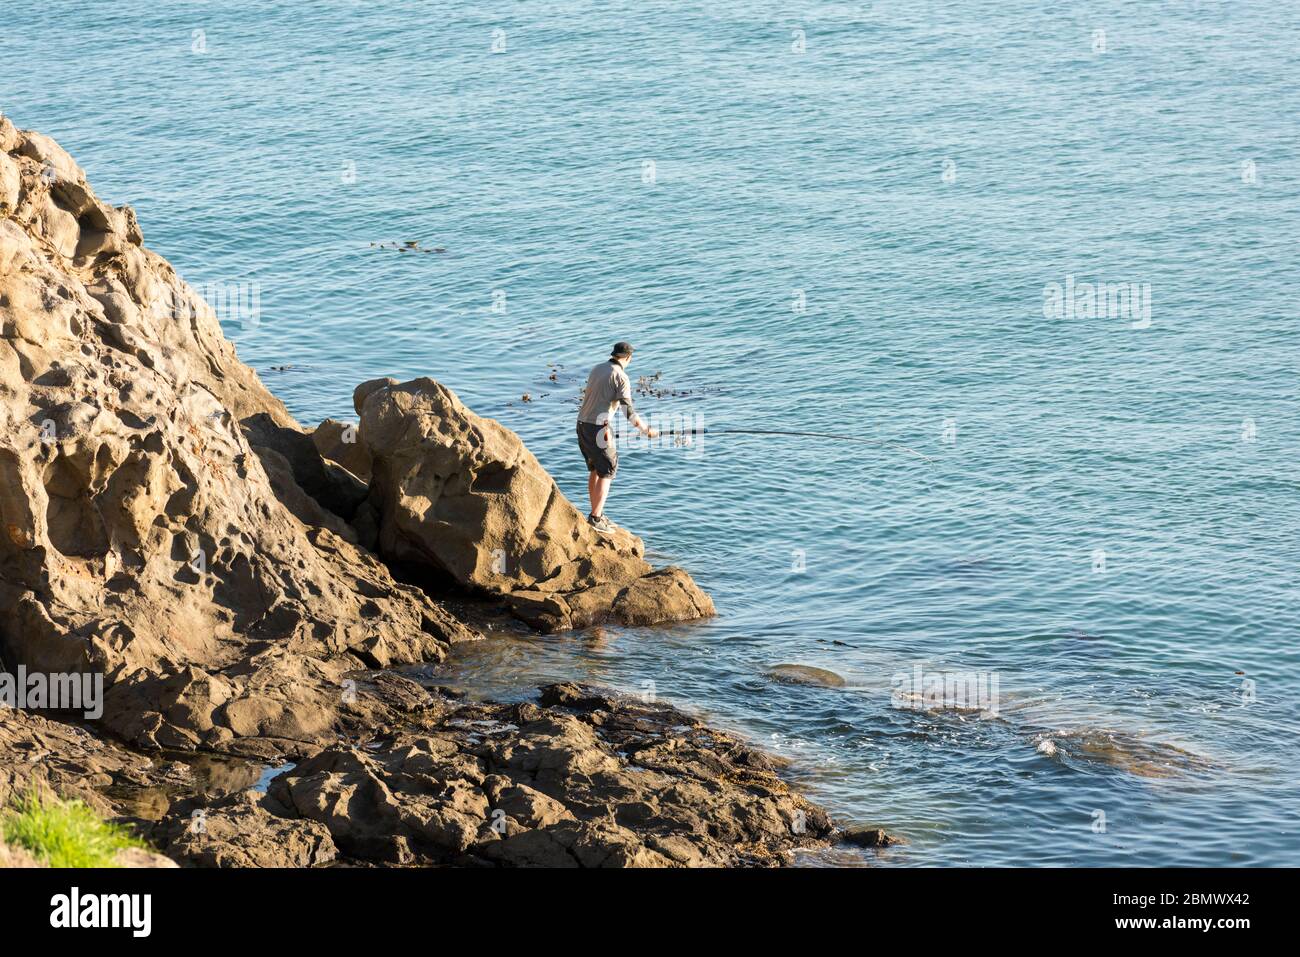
(1109, 526)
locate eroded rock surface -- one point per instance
(161, 516)
(247, 830)
(462, 494)
(585, 779)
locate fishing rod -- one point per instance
(812, 435)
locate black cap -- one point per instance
(621, 349)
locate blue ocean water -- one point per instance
(817, 217)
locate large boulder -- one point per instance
(163, 520)
(462, 494)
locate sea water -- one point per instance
(1052, 248)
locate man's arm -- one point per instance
(625, 399)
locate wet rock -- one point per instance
(462, 494)
(870, 837)
(592, 780)
(572, 695)
(806, 675)
(163, 520)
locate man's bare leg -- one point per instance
(591, 489)
(599, 492)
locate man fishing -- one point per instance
(607, 388)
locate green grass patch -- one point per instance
(63, 833)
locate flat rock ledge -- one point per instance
(582, 779)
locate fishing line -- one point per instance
(813, 435)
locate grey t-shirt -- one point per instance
(607, 388)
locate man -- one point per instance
(607, 388)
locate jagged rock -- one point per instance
(590, 780)
(162, 518)
(165, 522)
(249, 830)
(464, 496)
(336, 489)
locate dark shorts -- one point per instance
(602, 461)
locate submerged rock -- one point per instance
(462, 495)
(1131, 753)
(806, 675)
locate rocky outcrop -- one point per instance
(462, 495)
(582, 779)
(165, 523)
(247, 830)
(161, 516)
